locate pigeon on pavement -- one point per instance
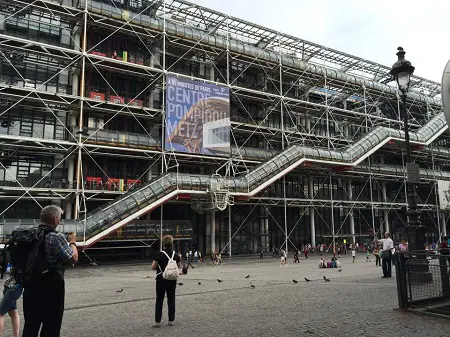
(326, 279)
(295, 281)
(307, 280)
(199, 283)
(180, 284)
(220, 281)
(247, 276)
(120, 290)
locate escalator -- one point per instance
(117, 213)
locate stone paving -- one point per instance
(356, 302)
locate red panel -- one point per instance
(97, 96)
(97, 179)
(341, 168)
(391, 142)
(133, 181)
(136, 102)
(98, 53)
(116, 99)
(184, 196)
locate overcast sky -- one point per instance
(371, 29)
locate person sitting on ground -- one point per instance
(338, 264)
(333, 262)
(322, 263)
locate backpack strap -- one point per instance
(173, 254)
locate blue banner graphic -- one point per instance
(197, 117)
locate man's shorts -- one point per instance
(10, 297)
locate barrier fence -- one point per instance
(423, 281)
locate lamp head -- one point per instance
(402, 71)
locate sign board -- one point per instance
(151, 229)
(444, 194)
(197, 117)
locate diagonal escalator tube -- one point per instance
(134, 203)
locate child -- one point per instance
(353, 254)
(377, 256)
(367, 255)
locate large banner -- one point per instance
(444, 194)
(197, 117)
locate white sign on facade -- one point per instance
(444, 194)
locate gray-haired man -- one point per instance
(43, 301)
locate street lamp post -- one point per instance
(402, 71)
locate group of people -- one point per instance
(334, 263)
(43, 295)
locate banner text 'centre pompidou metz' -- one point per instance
(197, 117)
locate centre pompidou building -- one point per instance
(316, 143)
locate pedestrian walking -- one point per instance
(368, 255)
(282, 258)
(296, 259)
(43, 298)
(12, 291)
(165, 286)
(353, 255)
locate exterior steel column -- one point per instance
(346, 133)
(68, 210)
(386, 212)
(351, 218)
(75, 84)
(213, 231)
(443, 224)
(230, 236)
(208, 233)
(312, 222)
(308, 124)
(385, 199)
(212, 76)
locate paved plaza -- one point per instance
(356, 302)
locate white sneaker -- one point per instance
(157, 324)
(170, 323)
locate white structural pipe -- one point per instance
(446, 91)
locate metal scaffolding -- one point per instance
(317, 140)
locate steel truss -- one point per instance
(284, 91)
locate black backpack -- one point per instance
(26, 249)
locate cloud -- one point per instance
(368, 29)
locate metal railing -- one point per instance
(422, 279)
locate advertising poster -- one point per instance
(444, 194)
(197, 117)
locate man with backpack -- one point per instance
(167, 264)
(43, 297)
